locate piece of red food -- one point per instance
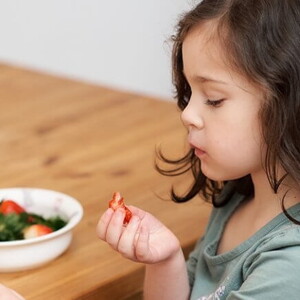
(10, 207)
(36, 230)
(116, 202)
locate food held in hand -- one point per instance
(17, 224)
(118, 202)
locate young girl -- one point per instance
(236, 67)
(8, 294)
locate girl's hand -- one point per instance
(144, 239)
(8, 294)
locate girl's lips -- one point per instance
(199, 152)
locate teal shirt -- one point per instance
(264, 267)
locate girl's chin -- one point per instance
(217, 175)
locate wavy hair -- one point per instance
(262, 40)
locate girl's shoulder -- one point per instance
(271, 267)
(277, 252)
(287, 235)
(281, 232)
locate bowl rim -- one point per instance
(73, 221)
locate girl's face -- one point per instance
(222, 114)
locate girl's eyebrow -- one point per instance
(203, 79)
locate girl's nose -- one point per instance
(191, 116)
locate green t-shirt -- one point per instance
(264, 267)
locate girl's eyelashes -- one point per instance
(214, 103)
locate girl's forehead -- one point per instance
(204, 36)
(205, 55)
(207, 29)
(202, 50)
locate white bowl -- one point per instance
(27, 254)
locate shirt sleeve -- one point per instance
(274, 274)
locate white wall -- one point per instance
(120, 43)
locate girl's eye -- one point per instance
(214, 103)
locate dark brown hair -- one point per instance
(262, 40)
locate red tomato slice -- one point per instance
(10, 207)
(116, 202)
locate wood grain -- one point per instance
(89, 141)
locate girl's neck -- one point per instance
(266, 200)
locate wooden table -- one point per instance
(88, 141)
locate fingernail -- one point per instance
(108, 212)
(134, 219)
(120, 211)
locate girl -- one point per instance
(236, 67)
(8, 294)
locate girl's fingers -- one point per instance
(115, 228)
(127, 241)
(103, 224)
(9, 294)
(142, 244)
(18, 295)
(137, 211)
